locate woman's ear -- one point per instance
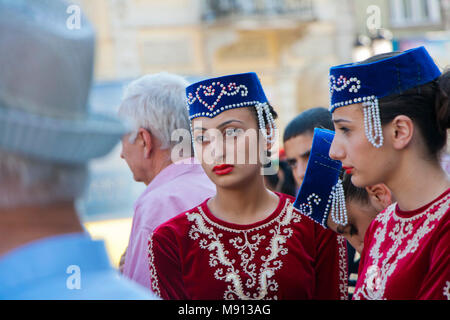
(380, 196)
(145, 139)
(402, 130)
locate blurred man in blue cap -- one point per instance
(47, 136)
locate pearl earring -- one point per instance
(261, 109)
(336, 204)
(372, 122)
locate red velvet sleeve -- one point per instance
(331, 265)
(165, 265)
(436, 285)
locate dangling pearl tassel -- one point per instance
(372, 123)
(338, 209)
(192, 140)
(260, 110)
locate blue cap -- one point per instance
(210, 97)
(322, 174)
(356, 83)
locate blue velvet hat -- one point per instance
(367, 82)
(210, 97)
(317, 195)
(354, 83)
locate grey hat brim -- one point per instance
(58, 140)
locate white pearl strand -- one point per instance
(262, 108)
(372, 123)
(338, 208)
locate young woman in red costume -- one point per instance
(246, 242)
(391, 115)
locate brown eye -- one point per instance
(292, 163)
(200, 139)
(233, 132)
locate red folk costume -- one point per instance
(406, 254)
(285, 256)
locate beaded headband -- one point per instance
(366, 83)
(211, 97)
(321, 193)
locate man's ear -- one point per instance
(146, 141)
(402, 130)
(380, 196)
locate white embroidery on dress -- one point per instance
(374, 285)
(247, 247)
(446, 291)
(153, 274)
(343, 277)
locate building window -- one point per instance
(410, 13)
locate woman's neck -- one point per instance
(417, 183)
(249, 204)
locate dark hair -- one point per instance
(288, 185)
(306, 121)
(427, 106)
(353, 193)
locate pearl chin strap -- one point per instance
(262, 108)
(372, 122)
(336, 205)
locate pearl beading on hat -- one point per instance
(336, 205)
(223, 108)
(342, 83)
(229, 90)
(372, 121)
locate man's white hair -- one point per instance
(156, 102)
(29, 182)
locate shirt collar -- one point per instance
(172, 171)
(50, 257)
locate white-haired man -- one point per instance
(155, 108)
(47, 137)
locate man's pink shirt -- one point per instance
(177, 188)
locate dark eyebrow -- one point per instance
(220, 125)
(341, 120)
(223, 124)
(306, 154)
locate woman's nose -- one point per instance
(336, 151)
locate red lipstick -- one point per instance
(223, 169)
(348, 170)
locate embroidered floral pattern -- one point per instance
(402, 240)
(153, 277)
(260, 281)
(446, 290)
(343, 283)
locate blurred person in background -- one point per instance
(282, 181)
(155, 108)
(298, 136)
(47, 137)
(363, 205)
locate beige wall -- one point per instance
(292, 58)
